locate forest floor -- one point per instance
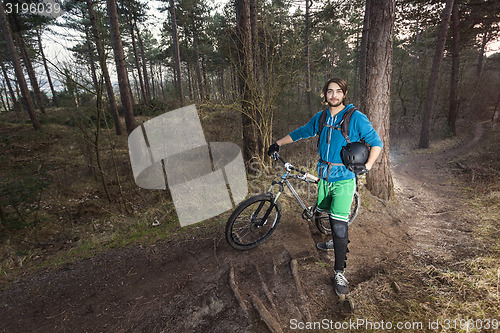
(429, 257)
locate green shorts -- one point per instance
(336, 198)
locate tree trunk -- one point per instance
(378, 91)
(7, 99)
(144, 64)
(153, 88)
(15, 102)
(174, 77)
(138, 64)
(308, 60)
(205, 79)
(245, 71)
(31, 72)
(253, 35)
(30, 107)
(257, 85)
(121, 67)
(496, 112)
(417, 102)
(355, 95)
(90, 51)
(49, 79)
(162, 87)
(433, 79)
(136, 86)
(363, 55)
(222, 87)
(113, 109)
(480, 59)
(234, 84)
(190, 82)
(199, 78)
(177, 57)
(5, 106)
(455, 62)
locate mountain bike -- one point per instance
(256, 218)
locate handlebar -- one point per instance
(289, 167)
(357, 169)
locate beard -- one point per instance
(333, 105)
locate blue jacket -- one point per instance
(360, 128)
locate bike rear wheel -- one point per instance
(323, 221)
(248, 227)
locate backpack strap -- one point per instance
(343, 125)
(321, 124)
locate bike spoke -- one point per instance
(247, 228)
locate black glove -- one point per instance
(358, 169)
(273, 149)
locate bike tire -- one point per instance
(323, 222)
(242, 228)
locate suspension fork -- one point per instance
(274, 199)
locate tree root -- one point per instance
(294, 266)
(269, 296)
(271, 323)
(236, 292)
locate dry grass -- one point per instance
(65, 213)
(75, 219)
(78, 221)
(452, 293)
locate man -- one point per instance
(337, 183)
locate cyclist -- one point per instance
(337, 183)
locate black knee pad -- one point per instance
(339, 228)
(340, 241)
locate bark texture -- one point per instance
(378, 90)
(21, 80)
(113, 109)
(121, 68)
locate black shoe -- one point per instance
(341, 284)
(325, 246)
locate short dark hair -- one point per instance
(342, 84)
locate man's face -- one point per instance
(334, 95)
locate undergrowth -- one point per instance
(75, 220)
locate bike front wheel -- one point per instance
(252, 222)
(323, 221)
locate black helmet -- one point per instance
(354, 155)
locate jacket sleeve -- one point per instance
(308, 130)
(366, 131)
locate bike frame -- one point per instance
(284, 180)
(307, 212)
(263, 205)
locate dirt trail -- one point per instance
(426, 181)
(202, 285)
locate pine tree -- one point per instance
(104, 67)
(121, 67)
(378, 90)
(30, 107)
